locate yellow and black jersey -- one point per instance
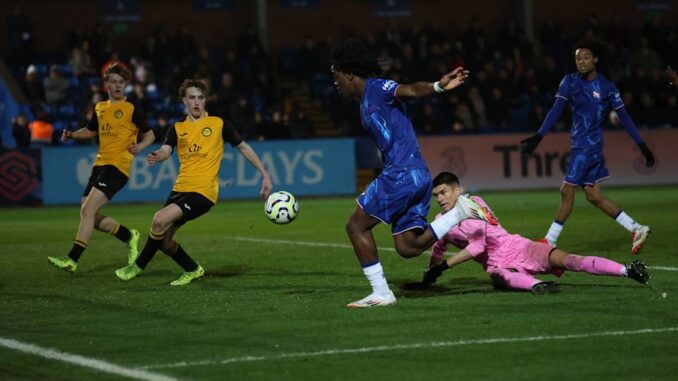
(117, 124)
(200, 146)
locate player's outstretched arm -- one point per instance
(447, 82)
(530, 144)
(432, 273)
(147, 140)
(249, 154)
(80, 134)
(159, 155)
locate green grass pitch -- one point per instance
(271, 306)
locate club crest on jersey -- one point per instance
(388, 85)
(596, 94)
(118, 114)
(206, 131)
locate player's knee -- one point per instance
(566, 194)
(352, 227)
(87, 212)
(594, 199)
(158, 225)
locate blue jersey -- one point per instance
(591, 102)
(383, 117)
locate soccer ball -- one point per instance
(281, 207)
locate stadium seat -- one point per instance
(65, 70)
(41, 69)
(66, 111)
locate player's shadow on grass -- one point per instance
(120, 308)
(598, 285)
(276, 272)
(226, 272)
(459, 286)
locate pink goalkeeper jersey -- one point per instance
(491, 246)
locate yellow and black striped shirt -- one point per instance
(118, 124)
(200, 147)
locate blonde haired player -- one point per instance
(199, 142)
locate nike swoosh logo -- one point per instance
(184, 134)
(187, 206)
(102, 185)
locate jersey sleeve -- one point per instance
(614, 97)
(93, 124)
(564, 89)
(475, 234)
(139, 118)
(171, 137)
(230, 134)
(386, 90)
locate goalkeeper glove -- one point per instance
(649, 157)
(432, 273)
(530, 144)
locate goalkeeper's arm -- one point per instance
(432, 273)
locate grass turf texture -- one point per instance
(265, 309)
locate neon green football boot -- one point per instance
(189, 276)
(64, 263)
(128, 272)
(133, 245)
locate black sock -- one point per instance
(149, 250)
(183, 260)
(123, 234)
(76, 250)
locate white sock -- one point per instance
(626, 221)
(375, 274)
(624, 271)
(554, 232)
(443, 224)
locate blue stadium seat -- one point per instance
(60, 125)
(41, 69)
(65, 70)
(178, 109)
(66, 111)
(153, 95)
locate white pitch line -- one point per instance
(347, 246)
(663, 268)
(383, 348)
(305, 243)
(100, 365)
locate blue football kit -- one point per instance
(401, 194)
(591, 101)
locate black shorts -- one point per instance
(106, 178)
(192, 204)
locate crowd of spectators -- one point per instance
(512, 84)
(513, 80)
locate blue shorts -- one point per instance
(586, 168)
(400, 197)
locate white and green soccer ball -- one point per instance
(281, 207)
